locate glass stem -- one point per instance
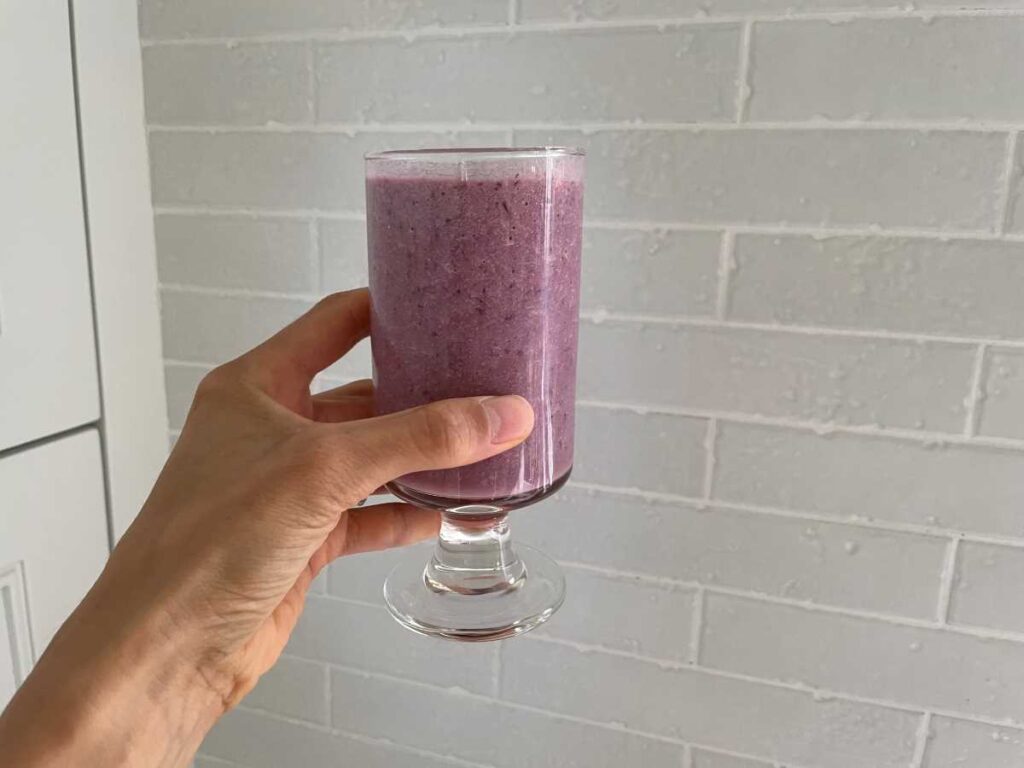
(474, 556)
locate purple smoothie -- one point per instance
(474, 279)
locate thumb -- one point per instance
(448, 433)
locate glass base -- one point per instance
(467, 505)
(425, 606)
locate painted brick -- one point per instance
(343, 262)
(826, 563)
(451, 722)
(957, 487)
(241, 85)
(294, 688)
(650, 273)
(355, 365)
(274, 170)
(625, 614)
(368, 638)
(361, 577)
(959, 287)
(653, 451)
(987, 587)
(887, 69)
(809, 177)
(236, 252)
(1002, 409)
(961, 743)
(261, 741)
(811, 378)
(778, 724)
(677, 75)
(181, 382)
(864, 657)
(206, 18)
(204, 328)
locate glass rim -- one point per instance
(473, 153)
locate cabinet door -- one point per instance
(52, 546)
(48, 379)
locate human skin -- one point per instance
(201, 594)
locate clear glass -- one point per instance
(474, 284)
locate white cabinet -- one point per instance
(57, 487)
(52, 546)
(48, 378)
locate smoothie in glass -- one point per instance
(474, 279)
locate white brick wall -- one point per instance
(795, 535)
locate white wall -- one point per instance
(796, 531)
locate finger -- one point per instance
(295, 354)
(381, 527)
(449, 433)
(342, 408)
(360, 387)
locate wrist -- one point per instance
(113, 691)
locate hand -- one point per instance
(203, 591)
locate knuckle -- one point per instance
(215, 385)
(324, 460)
(214, 381)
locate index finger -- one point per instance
(298, 352)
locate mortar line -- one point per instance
(947, 582)
(696, 627)
(1005, 210)
(926, 438)
(683, 126)
(257, 213)
(744, 88)
(312, 91)
(317, 235)
(236, 293)
(710, 443)
(656, 24)
(976, 395)
(822, 231)
(328, 697)
(188, 363)
(687, 761)
(921, 740)
(699, 321)
(219, 760)
(513, 12)
(726, 264)
(496, 665)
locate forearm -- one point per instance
(110, 695)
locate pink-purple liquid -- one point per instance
(475, 291)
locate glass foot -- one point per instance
(421, 602)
